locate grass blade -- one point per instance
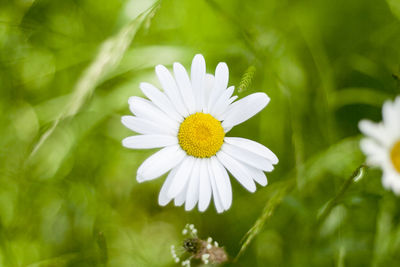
(269, 209)
(108, 57)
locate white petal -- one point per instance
(185, 87)
(207, 92)
(375, 130)
(160, 100)
(376, 154)
(163, 198)
(220, 84)
(391, 116)
(198, 76)
(244, 109)
(149, 141)
(222, 75)
(257, 175)
(143, 126)
(397, 104)
(233, 98)
(237, 170)
(169, 85)
(396, 186)
(254, 147)
(143, 108)
(217, 199)
(192, 193)
(181, 177)
(391, 181)
(204, 187)
(387, 180)
(213, 97)
(222, 104)
(181, 197)
(247, 157)
(160, 163)
(222, 182)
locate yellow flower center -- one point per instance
(201, 135)
(395, 156)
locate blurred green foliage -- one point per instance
(68, 194)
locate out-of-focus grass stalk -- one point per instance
(108, 57)
(247, 78)
(98, 255)
(355, 177)
(312, 169)
(324, 68)
(102, 244)
(61, 261)
(274, 201)
(297, 140)
(242, 31)
(341, 257)
(386, 241)
(5, 246)
(357, 95)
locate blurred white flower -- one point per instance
(189, 120)
(382, 144)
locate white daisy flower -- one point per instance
(189, 121)
(382, 144)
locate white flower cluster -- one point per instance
(173, 253)
(189, 229)
(208, 251)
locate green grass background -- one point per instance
(68, 194)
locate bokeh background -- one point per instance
(68, 194)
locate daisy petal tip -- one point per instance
(177, 66)
(123, 142)
(199, 57)
(363, 125)
(263, 182)
(264, 98)
(140, 178)
(124, 119)
(269, 168)
(161, 71)
(222, 66)
(159, 67)
(131, 100)
(188, 208)
(227, 207)
(252, 189)
(220, 211)
(199, 63)
(171, 193)
(163, 202)
(201, 208)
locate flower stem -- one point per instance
(326, 209)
